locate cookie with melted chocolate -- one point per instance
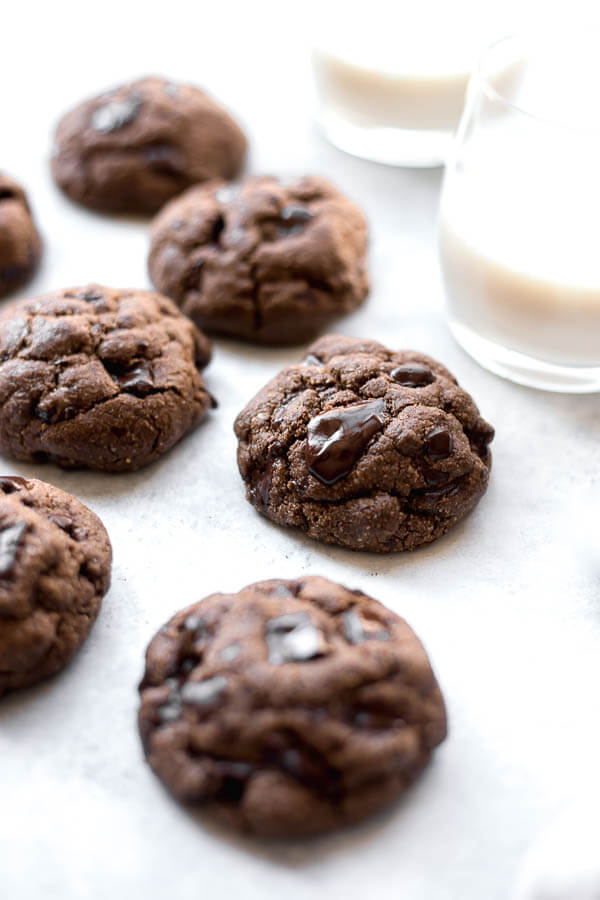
(364, 447)
(55, 559)
(97, 377)
(137, 146)
(290, 708)
(263, 260)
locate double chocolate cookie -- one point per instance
(20, 244)
(55, 560)
(364, 447)
(133, 148)
(290, 708)
(96, 377)
(262, 260)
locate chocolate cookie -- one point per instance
(107, 379)
(55, 560)
(135, 147)
(290, 708)
(364, 447)
(20, 244)
(264, 261)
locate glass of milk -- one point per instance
(519, 228)
(391, 76)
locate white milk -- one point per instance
(520, 241)
(398, 65)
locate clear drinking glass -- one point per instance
(519, 232)
(391, 77)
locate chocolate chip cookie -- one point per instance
(20, 243)
(364, 447)
(55, 560)
(263, 261)
(290, 708)
(135, 147)
(96, 377)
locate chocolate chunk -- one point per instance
(413, 375)
(262, 488)
(10, 538)
(295, 214)
(164, 159)
(169, 711)
(292, 220)
(353, 628)
(234, 776)
(62, 522)
(227, 193)
(230, 653)
(114, 115)
(338, 437)
(433, 477)
(202, 693)
(438, 444)
(292, 638)
(11, 483)
(186, 666)
(312, 360)
(193, 623)
(91, 296)
(136, 381)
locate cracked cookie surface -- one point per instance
(20, 243)
(289, 708)
(55, 559)
(262, 260)
(99, 378)
(364, 447)
(135, 147)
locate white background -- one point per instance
(507, 604)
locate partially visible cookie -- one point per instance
(263, 260)
(20, 243)
(289, 708)
(133, 148)
(97, 377)
(364, 447)
(55, 559)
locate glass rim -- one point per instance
(492, 93)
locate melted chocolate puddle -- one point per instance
(337, 438)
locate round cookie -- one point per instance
(262, 260)
(55, 559)
(20, 243)
(96, 377)
(133, 148)
(290, 708)
(364, 447)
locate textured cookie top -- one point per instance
(135, 147)
(363, 446)
(54, 569)
(264, 260)
(292, 706)
(100, 377)
(20, 243)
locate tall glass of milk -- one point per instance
(391, 76)
(519, 229)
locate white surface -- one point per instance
(564, 863)
(506, 606)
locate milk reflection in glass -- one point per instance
(520, 219)
(391, 77)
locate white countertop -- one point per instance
(507, 604)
